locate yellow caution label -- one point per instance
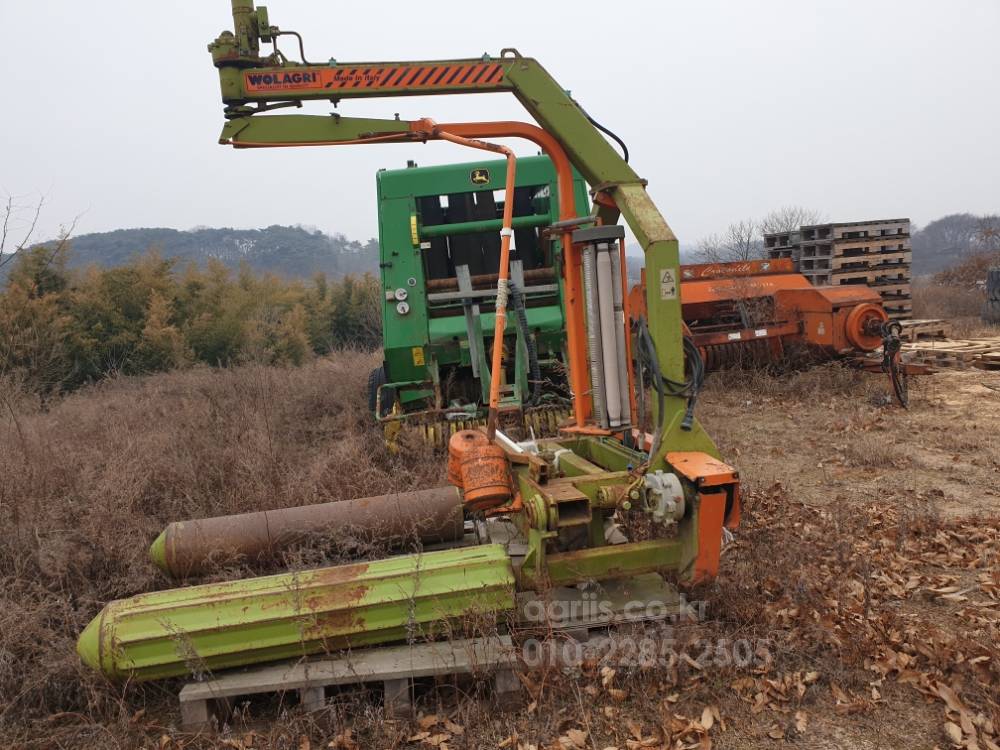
(418, 356)
(414, 233)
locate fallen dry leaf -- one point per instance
(343, 741)
(574, 739)
(801, 721)
(635, 728)
(966, 723)
(953, 731)
(426, 722)
(950, 697)
(707, 718)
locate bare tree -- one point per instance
(12, 221)
(987, 237)
(789, 219)
(741, 241)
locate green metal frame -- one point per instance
(237, 56)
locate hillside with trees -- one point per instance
(292, 252)
(62, 327)
(952, 239)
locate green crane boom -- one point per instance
(253, 83)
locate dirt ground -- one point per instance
(827, 434)
(864, 581)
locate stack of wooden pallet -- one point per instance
(919, 330)
(876, 253)
(957, 354)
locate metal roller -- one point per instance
(187, 548)
(595, 352)
(621, 331)
(609, 345)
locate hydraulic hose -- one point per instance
(503, 281)
(521, 316)
(664, 386)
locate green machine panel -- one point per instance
(435, 222)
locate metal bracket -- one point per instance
(471, 314)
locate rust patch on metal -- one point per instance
(340, 573)
(335, 600)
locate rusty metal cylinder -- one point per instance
(188, 548)
(485, 477)
(461, 442)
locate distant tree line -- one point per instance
(295, 252)
(955, 239)
(744, 240)
(61, 327)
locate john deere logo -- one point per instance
(480, 176)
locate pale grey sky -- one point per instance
(857, 108)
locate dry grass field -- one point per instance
(865, 576)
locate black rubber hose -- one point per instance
(534, 369)
(609, 133)
(688, 389)
(649, 349)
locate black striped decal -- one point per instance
(408, 77)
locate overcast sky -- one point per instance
(858, 108)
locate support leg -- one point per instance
(195, 716)
(398, 698)
(312, 698)
(506, 685)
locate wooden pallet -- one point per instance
(899, 259)
(989, 360)
(395, 667)
(894, 290)
(915, 330)
(955, 353)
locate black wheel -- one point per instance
(375, 380)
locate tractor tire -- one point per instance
(375, 380)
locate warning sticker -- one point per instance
(668, 284)
(418, 356)
(430, 76)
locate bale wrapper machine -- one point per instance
(438, 302)
(533, 515)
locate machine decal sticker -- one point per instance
(418, 356)
(441, 76)
(668, 284)
(480, 176)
